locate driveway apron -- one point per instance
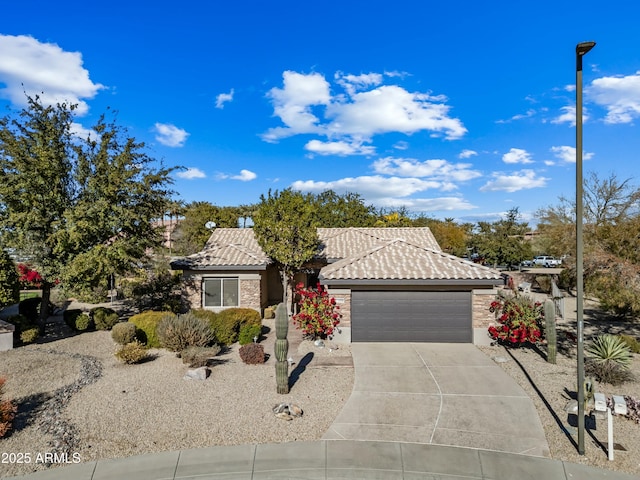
(436, 393)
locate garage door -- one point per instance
(411, 316)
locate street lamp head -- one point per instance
(584, 47)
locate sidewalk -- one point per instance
(329, 459)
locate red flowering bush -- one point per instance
(519, 320)
(319, 315)
(7, 411)
(29, 278)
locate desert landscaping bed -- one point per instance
(76, 397)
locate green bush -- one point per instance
(104, 318)
(131, 353)
(240, 316)
(197, 357)
(30, 335)
(178, 333)
(161, 291)
(78, 320)
(631, 342)
(252, 353)
(147, 324)
(123, 333)
(248, 332)
(9, 281)
(30, 308)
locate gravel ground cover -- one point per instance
(551, 387)
(75, 397)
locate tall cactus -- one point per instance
(550, 330)
(281, 349)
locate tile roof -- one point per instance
(226, 247)
(401, 260)
(405, 253)
(344, 242)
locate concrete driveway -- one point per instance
(435, 393)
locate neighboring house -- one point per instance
(392, 284)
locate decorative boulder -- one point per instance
(201, 373)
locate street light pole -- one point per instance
(581, 50)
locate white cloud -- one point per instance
(83, 133)
(292, 104)
(170, 135)
(619, 95)
(401, 145)
(223, 98)
(44, 69)
(305, 105)
(391, 192)
(530, 113)
(440, 170)
(340, 148)
(568, 154)
(467, 153)
(370, 187)
(191, 173)
(522, 180)
(244, 176)
(517, 155)
(568, 115)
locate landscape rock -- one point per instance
(201, 373)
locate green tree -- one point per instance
(192, 233)
(502, 242)
(285, 227)
(340, 211)
(79, 209)
(9, 282)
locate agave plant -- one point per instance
(610, 348)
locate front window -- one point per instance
(221, 292)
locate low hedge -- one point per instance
(226, 324)
(147, 324)
(78, 320)
(104, 318)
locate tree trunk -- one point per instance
(285, 292)
(44, 306)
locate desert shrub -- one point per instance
(197, 357)
(240, 316)
(519, 320)
(248, 332)
(608, 372)
(147, 324)
(225, 328)
(104, 318)
(131, 353)
(123, 333)
(7, 411)
(30, 335)
(78, 320)
(610, 348)
(30, 308)
(179, 332)
(631, 342)
(9, 282)
(544, 282)
(252, 353)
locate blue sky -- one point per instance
(453, 109)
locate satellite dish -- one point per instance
(210, 225)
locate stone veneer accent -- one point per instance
(250, 293)
(480, 303)
(343, 300)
